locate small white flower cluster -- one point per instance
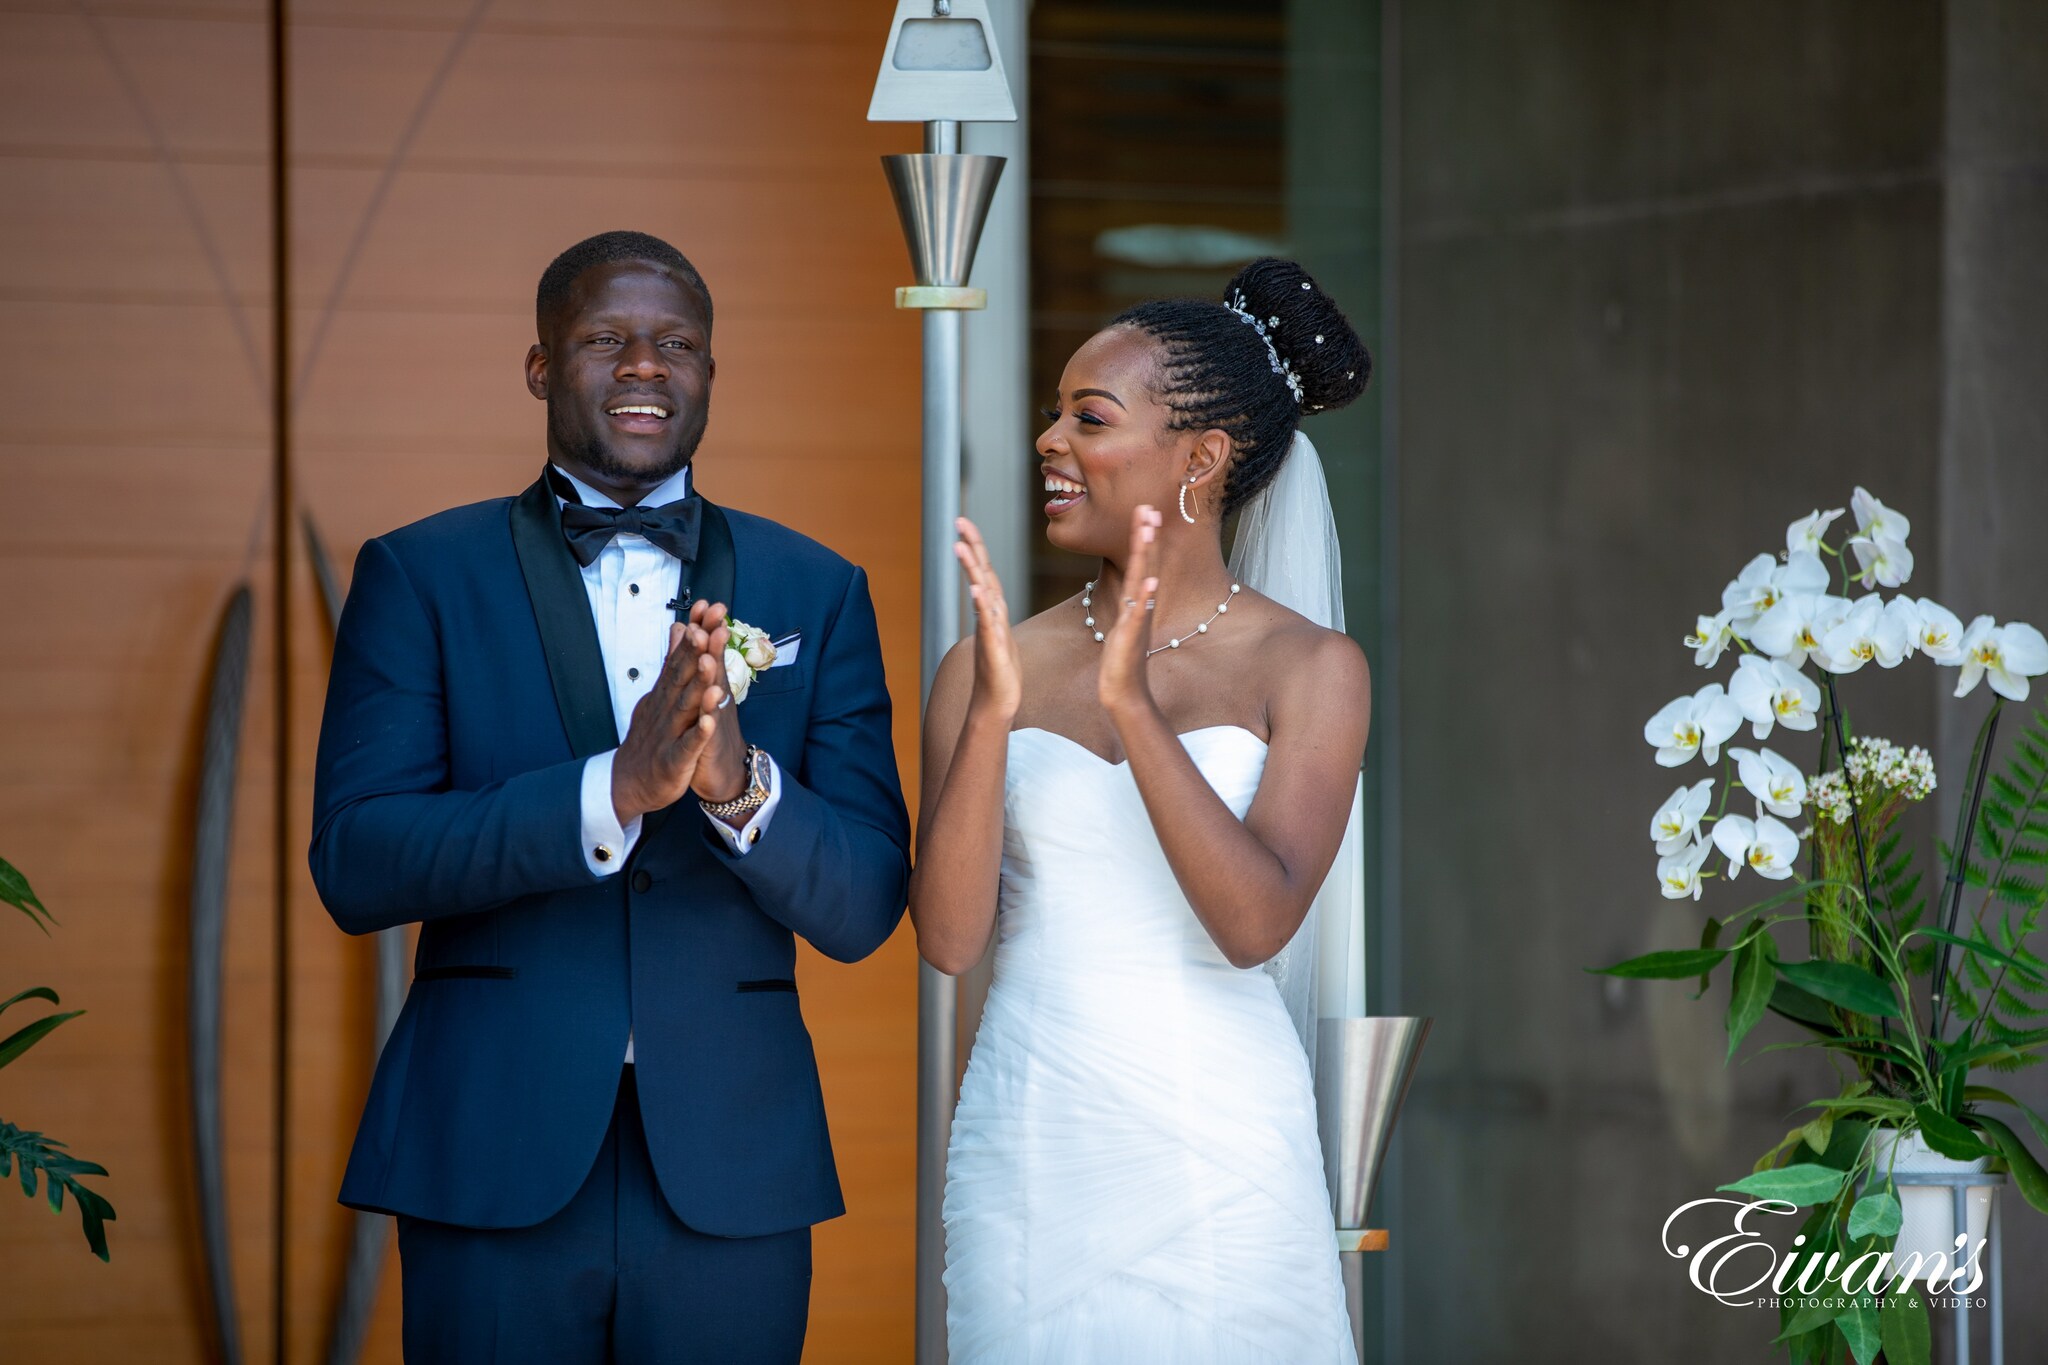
(1280, 366)
(1874, 765)
(1830, 796)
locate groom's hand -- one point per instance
(673, 725)
(722, 769)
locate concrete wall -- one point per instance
(1670, 274)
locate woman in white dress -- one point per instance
(1136, 795)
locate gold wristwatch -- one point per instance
(757, 788)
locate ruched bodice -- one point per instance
(1134, 1172)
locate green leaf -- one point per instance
(2034, 1120)
(1747, 998)
(15, 892)
(1710, 938)
(1852, 987)
(1859, 1325)
(1671, 965)
(27, 1036)
(32, 1154)
(1875, 1215)
(1820, 1310)
(1802, 1007)
(2026, 1171)
(32, 993)
(1947, 1136)
(1907, 1337)
(1817, 1133)
(1797, 1185)
(1979, 946)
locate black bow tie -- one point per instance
(672, 526)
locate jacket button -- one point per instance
(642, 880)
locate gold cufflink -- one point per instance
(602, 854)
(753, 836)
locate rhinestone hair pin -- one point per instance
(1236, 305)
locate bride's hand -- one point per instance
(998, 678)
(1121, 684)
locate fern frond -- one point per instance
(32, 1154)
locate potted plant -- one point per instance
(1914, 992)
(27, 1154)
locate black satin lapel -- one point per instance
(709, 579)
(561, 608)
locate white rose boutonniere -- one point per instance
(747, 652)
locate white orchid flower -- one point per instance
(1698, 724)
(2008, 655)
(1793, 629)
(1902, 615)
(1709, 638)
(1866, 632)
(1937, 631)
(1750, 595)
(1764, 583)
(1807, 532)
(1678, 819)
(1776, 782)
(1770, 692)
(1874, 519)
(1678, 873)
(1884, 561)
(1880, 541)
(1766, 844)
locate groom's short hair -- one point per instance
(604, 249)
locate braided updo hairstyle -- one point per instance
(1215, 370)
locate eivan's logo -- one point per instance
(1718, 1267)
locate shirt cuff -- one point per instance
(605, 843)
(741, 839)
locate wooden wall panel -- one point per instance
(133, 274)
(439, 160)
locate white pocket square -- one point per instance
(786, 648)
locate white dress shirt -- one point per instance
(630, 584)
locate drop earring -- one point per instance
(1184, 503)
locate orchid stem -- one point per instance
(1959, 860)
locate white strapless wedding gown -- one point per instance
(1134, 1174)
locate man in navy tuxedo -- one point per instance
(598, 1117)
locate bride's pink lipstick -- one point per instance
(1066, 491)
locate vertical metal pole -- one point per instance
(1959, 1199)
(1994, 1228)
(936, 992)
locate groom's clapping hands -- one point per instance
(679, 739)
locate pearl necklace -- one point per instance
(1088, 599)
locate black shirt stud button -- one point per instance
(633, 588)
(633, 673)
(642, 880)
(601, 853)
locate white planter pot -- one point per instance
(1929, 1210)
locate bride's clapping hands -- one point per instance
(998, 678)
(1121, 684)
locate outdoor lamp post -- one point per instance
(941, 68)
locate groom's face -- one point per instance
(625, 368)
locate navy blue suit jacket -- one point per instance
(466, 693)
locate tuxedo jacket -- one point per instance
(467, 691)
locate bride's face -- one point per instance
(1107, 448)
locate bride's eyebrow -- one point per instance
(1100, 393)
